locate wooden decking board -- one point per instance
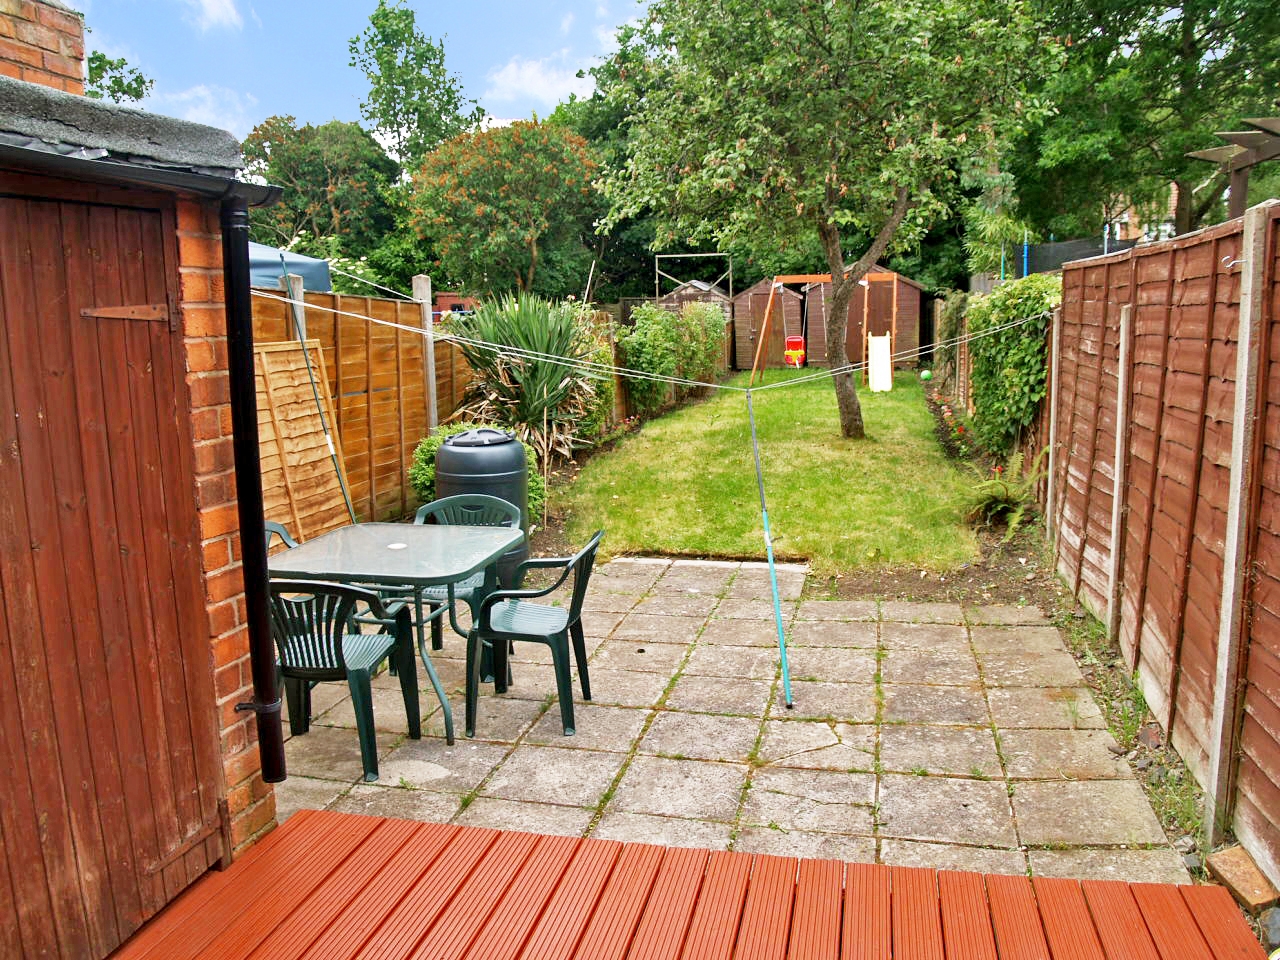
(766, 916)
(1218, 917)
(571, 906)
(867, 930)
(361, 906)
(917, 925)
(521, 906)
(714, 927)
(411, 918)
(329, 886)
(1170, 923)
(618, 910)
(815, 923)
(1068, 926)
(1118, 921)
(464, 917)
(660, 933)
(1016, 919)
(966, 919)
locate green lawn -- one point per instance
(685, 483)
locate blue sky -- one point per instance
(233, 63)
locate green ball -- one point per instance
(926, 374)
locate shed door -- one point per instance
(109, 771)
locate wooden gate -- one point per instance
(110, 783)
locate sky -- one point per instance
(233, 63)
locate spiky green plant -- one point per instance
(1006, 494)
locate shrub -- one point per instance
(950, 324)
(1005, 495)
(422, 471)
(1009, 367)
(700, 343)
(651, 346)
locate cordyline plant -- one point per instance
(764, 121)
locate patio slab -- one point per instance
(889, 754)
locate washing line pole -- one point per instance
(768, 546)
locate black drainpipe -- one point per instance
(244, 428)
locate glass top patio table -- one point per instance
(417, 555)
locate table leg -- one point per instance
(435, 681)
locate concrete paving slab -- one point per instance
(640, 655)
(333, 753)
(501, 814)
(953, 751)
(1057, 708)
(745, 698)
(1042, 639)
(431, 764)
(836, 664)
(752, 582)
(1003, 614)
(747, 663)
(1048, 669)
(1062, 755)
(801, 843)
(597, 601)
(668, 831)
(1093, 812)
(741, 633)
(941, 809)
(694, 789)
(612, 729)
(695, 579)
(846, 702)
(678, 605)
(695, 736)
(577, 778)
(924, 636)
(817, 801)
(392, 801)
(388, 710)
(817, 745)
(736, 608)
(947, 856)
(1133, 866)
(324, 696)
(944, 667)
(921, 612)
(918, 703)
(305, 793)
(628, 688)
(597, 624)
(839, 610)
(655, 629)
(505, 718)
(834, 633)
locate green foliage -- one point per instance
(950, 324)
(1006, 494)
(545, 401)
(422, 470)
(414, 102)
(115, 80)
(509, 208)
(1009, 367)
(700, 346)
(651, 345)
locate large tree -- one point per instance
(414, 102)
(509, 208)
(841, 120)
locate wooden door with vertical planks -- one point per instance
(110, 779)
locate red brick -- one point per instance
(216, 553)
(217, 522)
(203, 356)
(191, 216)
(60, 20)
(214, 455)
(37, 35)
(224, 585)
(236, 739)
(212, 490)
(70, 46)
(203, 321)
(10, 70)
(20, 53)
(193, 287)
(242, 766)
(55, 62)
(198, 250)
(234, 646)
(224, 418)
(19, 9)
(253, 820)
(229, 680)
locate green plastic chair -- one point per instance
(279, 530)
(311, 622)
(507, 616)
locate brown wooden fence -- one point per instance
(377, 377)
(1164, 495)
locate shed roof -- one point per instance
(700, 285)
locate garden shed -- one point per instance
(130, 766)
(787, 320)
(696, 291)
(888, 303)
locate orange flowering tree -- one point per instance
(511, 208)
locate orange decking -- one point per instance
(331, 886)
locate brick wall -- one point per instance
(251, 801)
(42, 42)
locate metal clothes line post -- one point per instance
(768, 546)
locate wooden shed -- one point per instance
(696, 291)
(131, 613)
(748, 317)
(888, 303)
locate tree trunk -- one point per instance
(1182, 211)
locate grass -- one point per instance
(685, 484)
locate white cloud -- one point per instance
(547, 81)
(209, 104)
(602, 10)
(216, 13)
(566, 24)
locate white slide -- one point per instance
(879, 363)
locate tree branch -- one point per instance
(902, 203)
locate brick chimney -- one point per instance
(42, 41)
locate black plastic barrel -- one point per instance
(492, 462)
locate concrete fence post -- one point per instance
(1050, 496)
(1119, 474)
(291, 284)
(422, 293)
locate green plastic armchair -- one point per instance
(506, 616)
